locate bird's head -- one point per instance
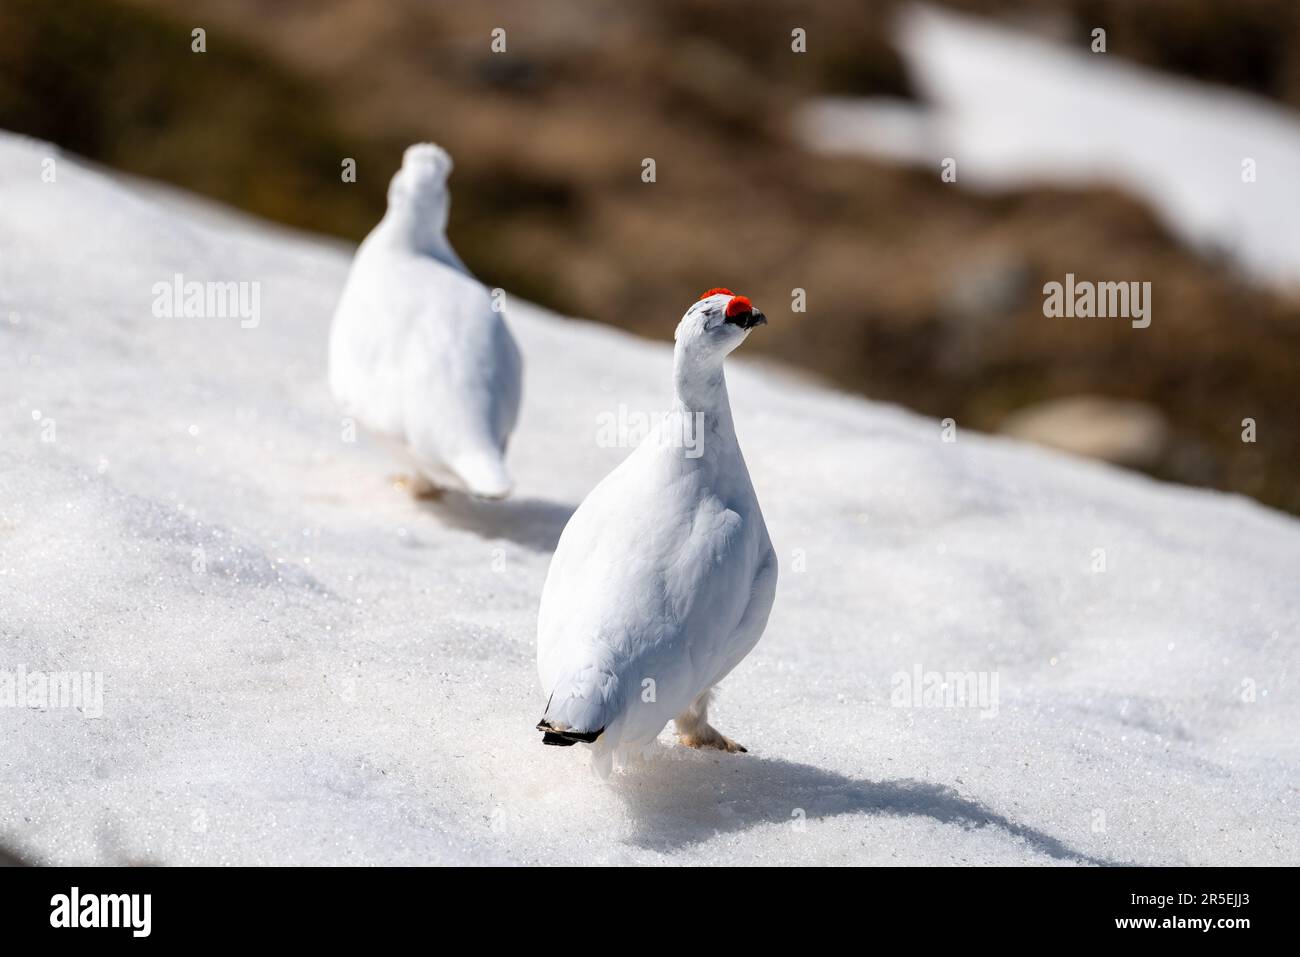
(420, 186)
(716, 324)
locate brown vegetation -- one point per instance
(917, 292)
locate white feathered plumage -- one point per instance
(417, 351)
(664, 577)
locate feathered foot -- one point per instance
(419, 487)
(694, 730)
(710, 738)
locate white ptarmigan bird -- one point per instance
(664, 577)
(417, 351)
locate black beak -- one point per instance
(748, 320)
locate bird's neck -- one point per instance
(407, 227)
(701, 393)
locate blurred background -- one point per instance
(777, 171)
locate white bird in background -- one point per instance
(418, 352)
(664, 577)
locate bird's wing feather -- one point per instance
(753, 622)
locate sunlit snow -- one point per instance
(302, 664)
(1006, 109)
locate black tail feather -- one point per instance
(566, 739)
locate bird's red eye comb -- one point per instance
(738, 306)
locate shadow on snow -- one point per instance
(692, 798)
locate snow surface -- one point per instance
(351, 679)
(1011, 108)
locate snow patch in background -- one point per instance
(1014, 109)
(347, 676)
